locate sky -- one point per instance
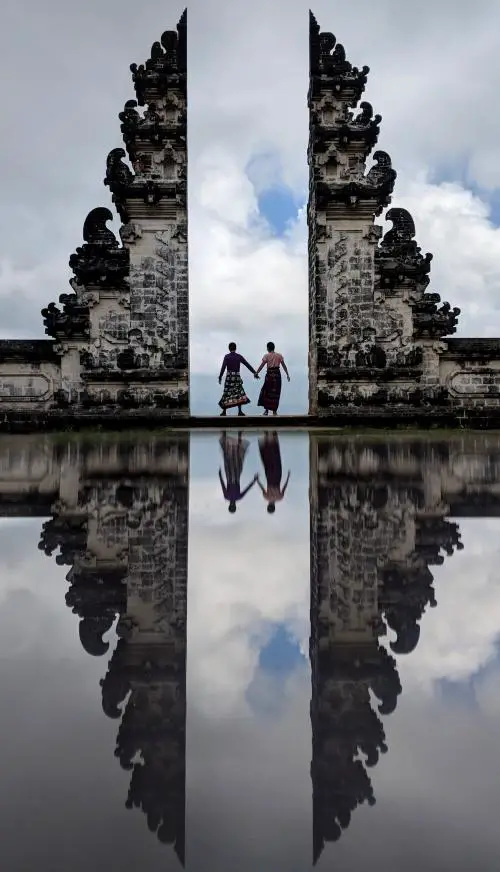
(434, 79)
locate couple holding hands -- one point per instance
(234, 393)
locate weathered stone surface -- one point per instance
(128, 314)
(375, 332)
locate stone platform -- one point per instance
(65, 420)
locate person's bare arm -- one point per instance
(283, 364)
(262, 365)
(248, 365)
(286, 483)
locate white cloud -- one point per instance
(456, 227)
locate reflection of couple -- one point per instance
(234, 450)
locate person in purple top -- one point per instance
(234, 392)
(234, 450)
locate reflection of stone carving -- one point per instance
(373, 538)
(126, 542)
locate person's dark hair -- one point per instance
(232, 346)
(271, 346)
(271, 508)
(231, 507)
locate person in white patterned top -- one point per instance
(270, 394)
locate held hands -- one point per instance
(256, 375)
(288, 378)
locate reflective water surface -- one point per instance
(250, 652)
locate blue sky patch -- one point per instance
(279, 206)
(282, 654)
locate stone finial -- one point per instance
(166, 65)
(327, 60)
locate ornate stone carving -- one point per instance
(134, 127)
(432, 320)
(166, 64)
(399, 260)
(70, 322)
(368, 308)
(119, 179)
(328, 60)
(100, 261)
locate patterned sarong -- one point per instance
(234, 392)
(270, 393)
(234, 451)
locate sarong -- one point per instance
(234, 451)
(234, 392)
(271, 458)
(270, 393)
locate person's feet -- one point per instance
(265, 413)
(241, 414)
(223, 413)
(275, 413)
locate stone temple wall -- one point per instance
(119, 342)
(378, 346)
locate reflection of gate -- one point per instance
(379, 524)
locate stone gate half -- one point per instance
(377, 346)
(120, 340)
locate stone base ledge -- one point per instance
(136, 376)
(369, 374)
(28, 351)
(395, 417)
(471, 349)
(344, 417)
(108, 418)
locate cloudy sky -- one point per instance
(434, 78)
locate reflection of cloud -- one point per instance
(459, 636)
(278, 659)
(35, 621)
(247, 571)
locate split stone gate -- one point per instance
(379, 346)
